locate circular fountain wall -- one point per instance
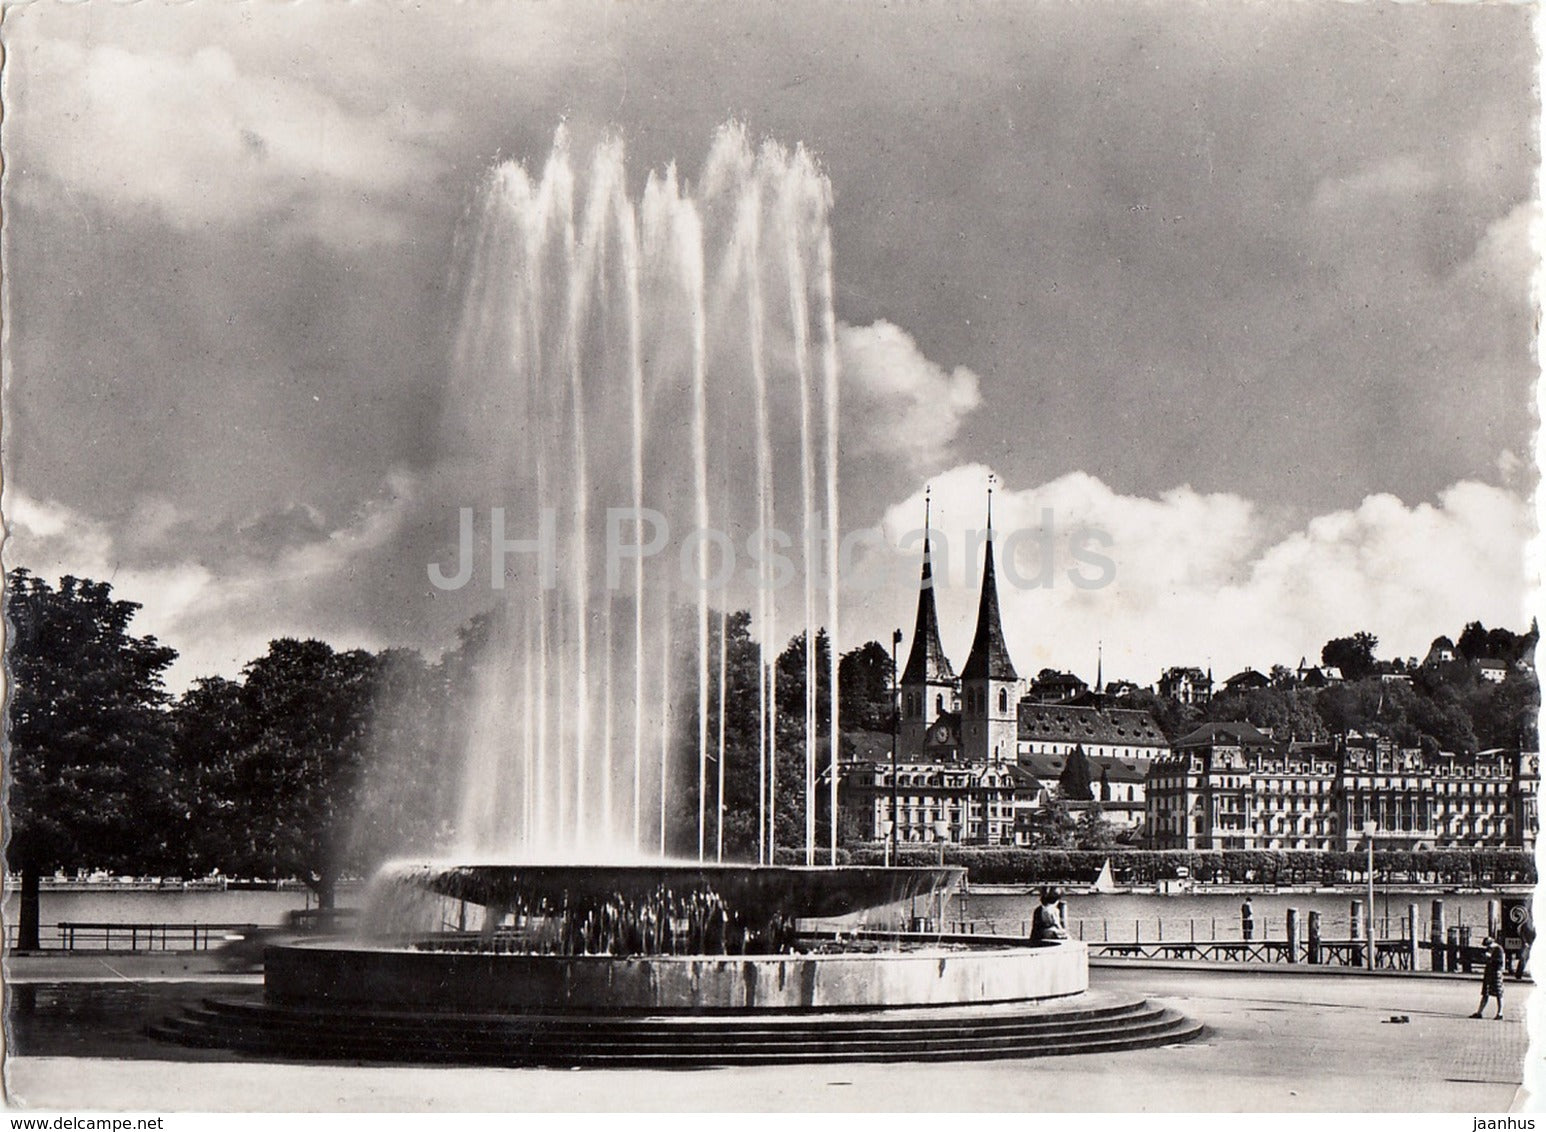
(537, 945)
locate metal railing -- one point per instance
(103, 936)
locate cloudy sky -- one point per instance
(1244, 286)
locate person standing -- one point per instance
(1247, 921)
(1492, 976)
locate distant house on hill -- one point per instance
(1318, 676)
(1186, 685)
(1492, 670)
(1442, 651)
(1248, 680)
(1052, 687)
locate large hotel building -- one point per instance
(1231, 786)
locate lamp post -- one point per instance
(1368, 832)
(896, 723)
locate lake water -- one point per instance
(105, 905)
(1207, 915)
(1115, 916)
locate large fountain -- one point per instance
(647, 386)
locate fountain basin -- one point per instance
(755, 892)
(486, 997)
(350, 975)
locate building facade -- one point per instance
(955, 802)
(1232, 786)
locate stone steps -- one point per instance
(1082, 1024)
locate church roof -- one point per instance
(1049, 768)
(989, 658)
(927, 662)
(1224, 734)
(1064, 723)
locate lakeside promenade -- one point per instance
(1276, 1040)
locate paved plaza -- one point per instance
(1276, 1040)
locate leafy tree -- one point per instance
(294, 779)
(210, 726)
(1052, 825)
(743, 763)
(864, 688)
(1353, 655)
(1094, 831)
(1505, 715)
(89, 736)
(791, 687)
(1074, 782)
(404, 798)
(1474, 643)
(1478, 642)
(1289, 712)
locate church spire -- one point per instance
(927, 662)
(1099, 685)
(989, 659)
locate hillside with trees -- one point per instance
(1440, 705)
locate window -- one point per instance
(939, 702)
(1003, 699)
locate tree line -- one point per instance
(316, 763)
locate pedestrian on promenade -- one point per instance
(1492, 976)
(1247, 920)
(1526, 941)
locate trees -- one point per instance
(1052, 825)
(403, 798)
(89, 735)
(1353, 655)
(1094, 831)
(791, 687)
(1074, 782)
(210, 726)
(864, 688)
(293, 778)
(1289, 712)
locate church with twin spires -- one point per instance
(973, 717)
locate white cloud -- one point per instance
(1375, 185)
(200, 142)
(898, 400)
(1209, 578)
(217, 616)
(1505, 258)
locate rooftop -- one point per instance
(1054, 723)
